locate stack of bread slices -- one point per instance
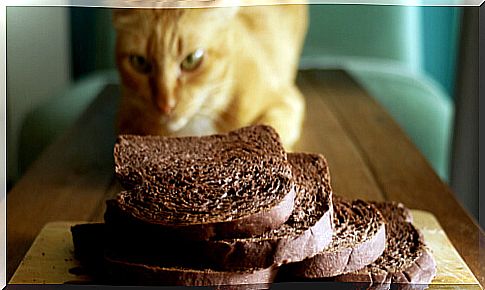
(236, 209)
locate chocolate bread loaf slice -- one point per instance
(230, 185)
(307, 231)
(89, 242)
(406, 259)
(359, 239)
(123, 272)
(94, 249)
(394, 211)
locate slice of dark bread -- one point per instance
(130, 272)
(359, 239)
(394, 211)
(89, 242)
(230, 185)
(406, 259)
(305, 233)
(92, 247)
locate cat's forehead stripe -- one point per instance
(163, 37)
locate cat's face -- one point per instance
(174, 64)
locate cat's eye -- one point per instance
(140, 64)
(193, 60)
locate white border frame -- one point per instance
(140, 4)
(227, 3)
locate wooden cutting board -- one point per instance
(50, 259)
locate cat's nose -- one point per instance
(166, 109)
(165, 106)
(162, 95)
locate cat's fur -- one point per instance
(247, 75)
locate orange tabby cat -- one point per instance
(204, 71)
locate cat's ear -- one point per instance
(122, 17)
(222, 14)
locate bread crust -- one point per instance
(411, 272)
(116, 217)
(307, 232)
(132, 273)
(349, 250)
(220, 186)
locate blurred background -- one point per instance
(420, 63)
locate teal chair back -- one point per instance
(385, 49)
(363, 31)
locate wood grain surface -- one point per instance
(69, 180)
(369, 155)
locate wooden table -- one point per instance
(369, 155)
